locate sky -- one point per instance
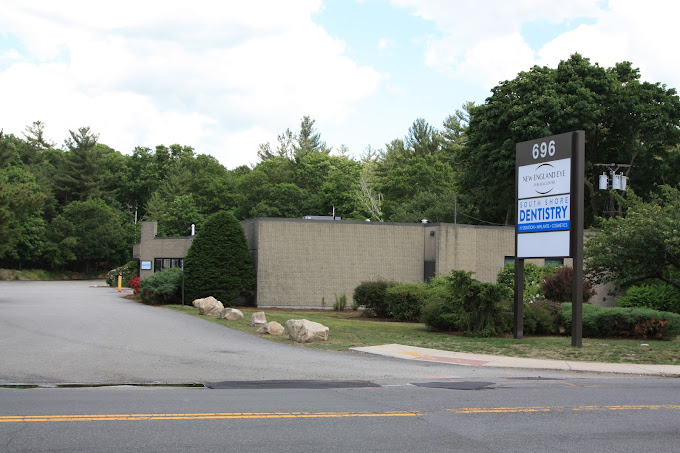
(226, 76)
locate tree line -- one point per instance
(76, 206)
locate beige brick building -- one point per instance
(303, 263)
(155, 254)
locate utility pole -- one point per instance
(616, 181)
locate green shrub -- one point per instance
(355, 305)
(433, 312)
(438, 315)
(218, 262)
(371, 294)
(164, 287)
(557, 287)
(467, 305)
(128, 270)
(340, 302)
(662, 297)
(643, 323)
(533, 278)
(542, 317)
(404, 302)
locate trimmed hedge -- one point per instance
(541, 317)
(642, 323)
(404, 302)
(164, 287)
(372, 296)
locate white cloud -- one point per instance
(125, 119)
(243, 140)
(385, 44)
(482, 42)
(222, 77)
(644, 35)
(492, 61)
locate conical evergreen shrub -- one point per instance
(218, 263)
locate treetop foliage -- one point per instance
(642, 246)
(626, 121)
(460, 171)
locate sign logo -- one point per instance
(547, 178)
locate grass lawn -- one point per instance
(39, 274)
(349, 329)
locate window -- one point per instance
(551, 261)
(509, 259)
(164, 263)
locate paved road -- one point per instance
(70, 332)
(67, 332)
(591, 414)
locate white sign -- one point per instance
(544, 205)
(546, 178)
(534, 245)
(146, 265)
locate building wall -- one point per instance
(301, 263)
(479, 249)
(152, 247)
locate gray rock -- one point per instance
(258, 319)
(271, 328)
(305, 331)
(210, 307)
(231, 314)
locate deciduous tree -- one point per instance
(642, 245)
(625, 121)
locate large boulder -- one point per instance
(258, 319)
(231, 314)
(210, 307)
(271, 328)
(197, 302)
(305, 331)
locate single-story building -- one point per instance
(155, 254)
(306, 263)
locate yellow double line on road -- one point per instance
(284, 415)
(497, 410)
(207, 416)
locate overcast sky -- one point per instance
(225, 76)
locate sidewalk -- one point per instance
(481, 360)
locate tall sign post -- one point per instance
(549, 193)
